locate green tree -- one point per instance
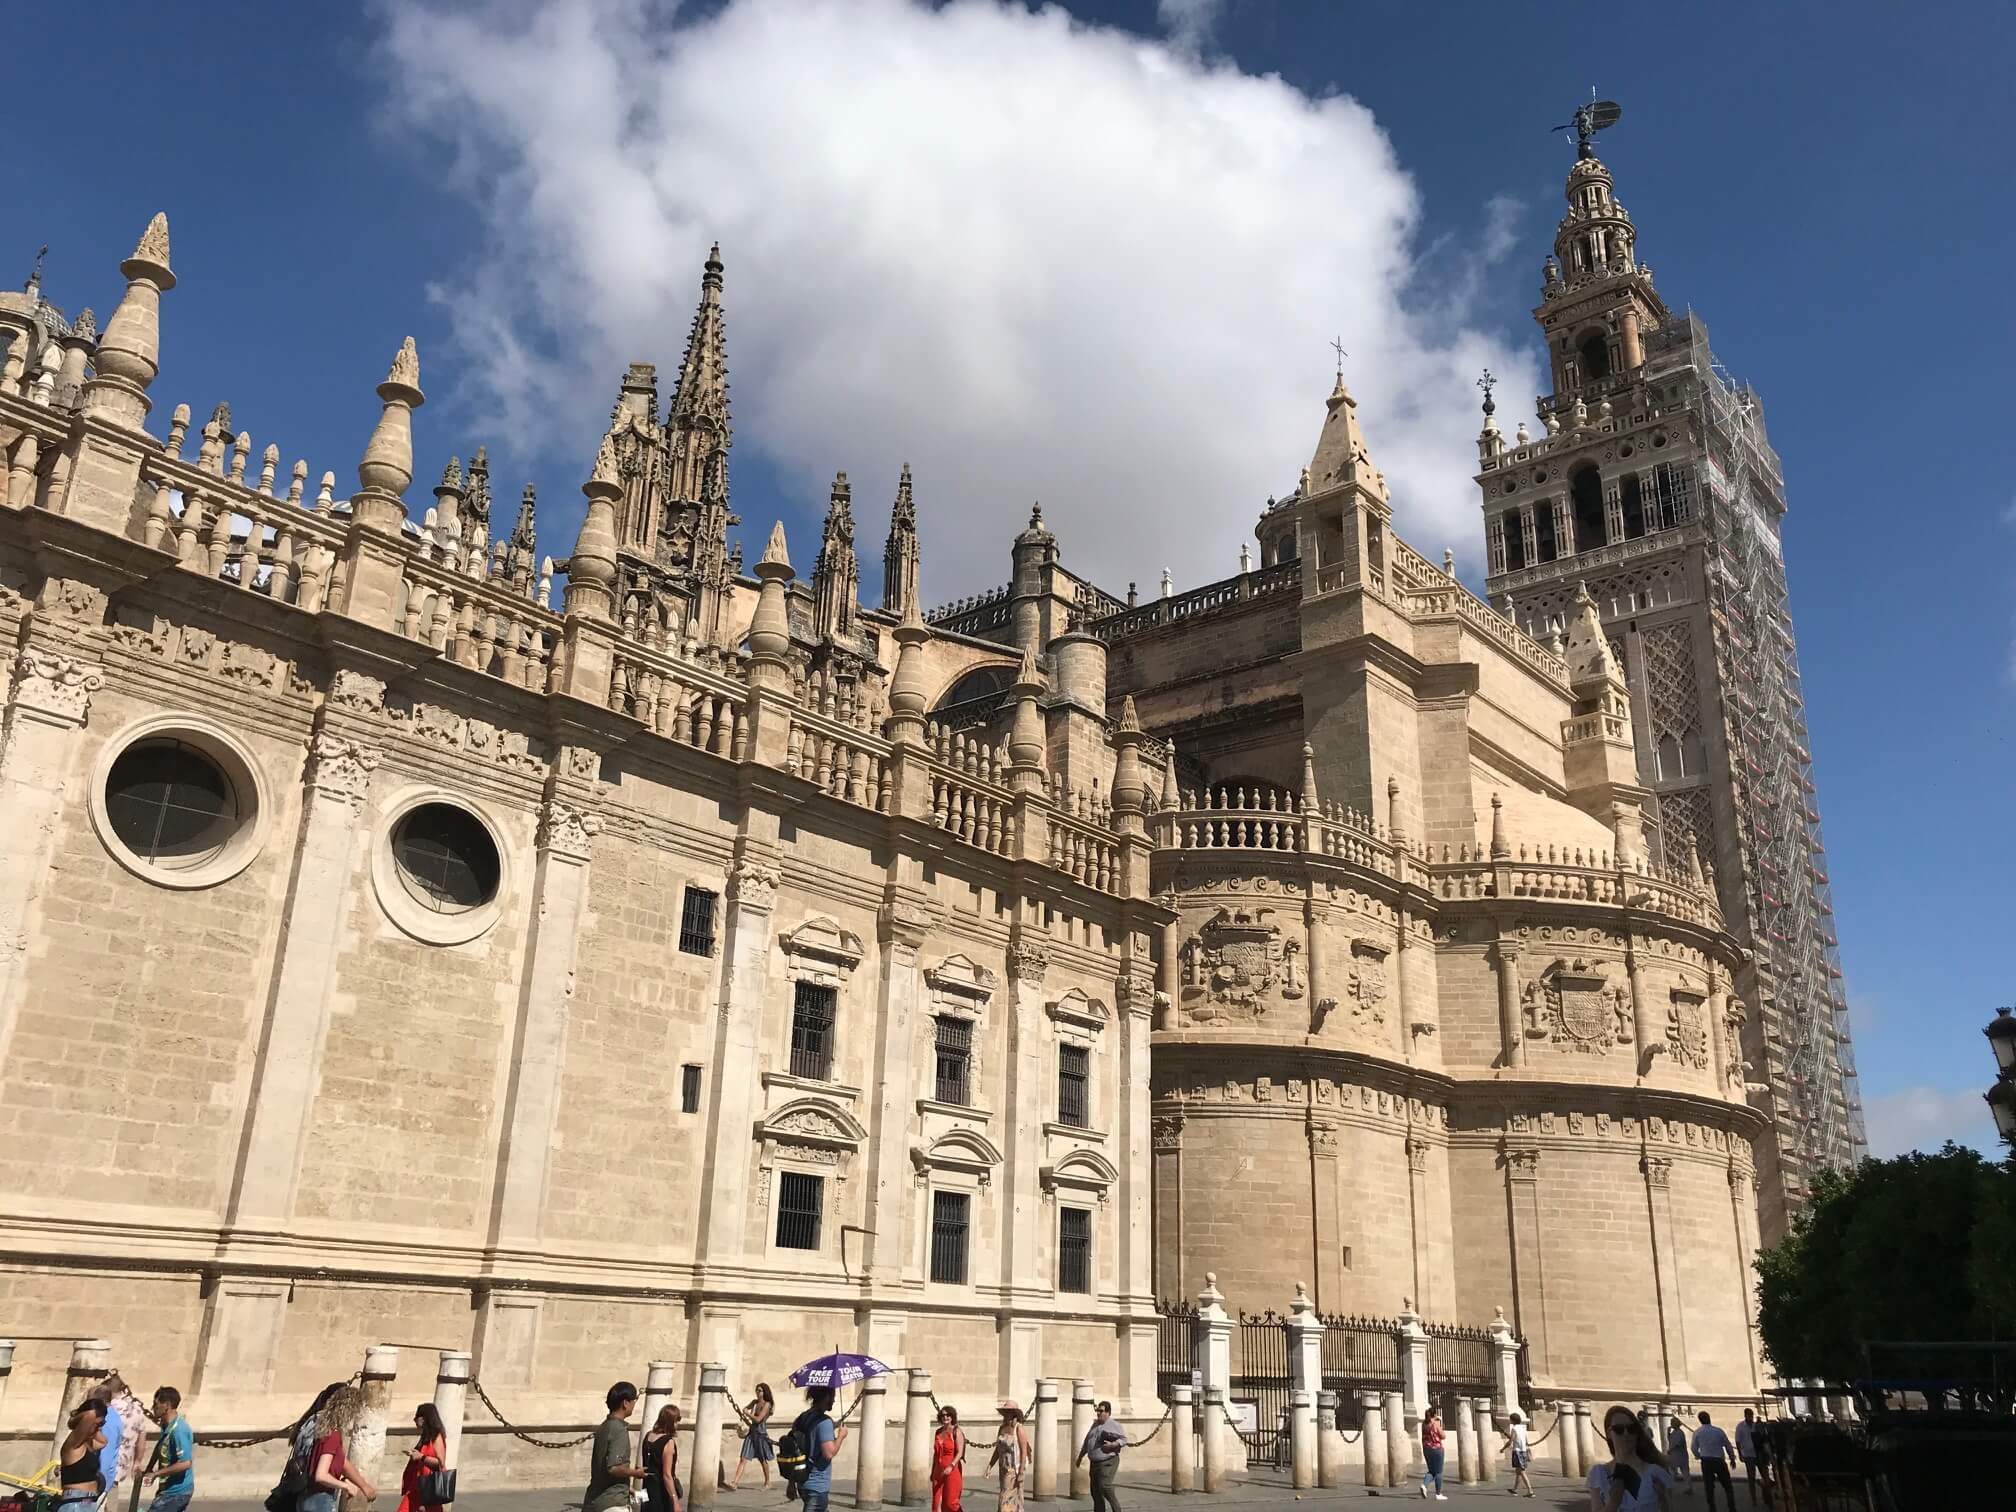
(1903, 1249)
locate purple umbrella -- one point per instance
(837, 1370)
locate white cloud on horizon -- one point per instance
(1924, 1118)
(1035, 259)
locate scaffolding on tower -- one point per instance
(1803, 1006)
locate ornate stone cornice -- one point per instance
(56, 688)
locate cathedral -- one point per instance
(409, 936)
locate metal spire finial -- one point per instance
(1488, 383)
(1337, 346)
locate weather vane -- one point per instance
(1488, 383)
(1590, 119)
(1337, 346)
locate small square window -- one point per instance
(689, 1089)
(955, 1062)
(696, 922)
(1074, 1084)
(799, 1198)
(812, 1010)
(1074, 1249)
(951, 1217)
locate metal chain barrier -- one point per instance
(1168, 1415)
(1536, 1443)
(253, 1440)
(519, 1433)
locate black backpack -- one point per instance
(794, 1450)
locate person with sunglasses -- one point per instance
(1636, 1478)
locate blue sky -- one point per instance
(1826, 186)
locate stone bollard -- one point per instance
(917, 1417)
(1301, 1439)
(1399, 1440)
(1466, 1441)
(1081, 1425)
(6, 1367)
(1043, 1479)
(451, 1399)
(1329, 1442)
(1568, 1442)
(1214, 1439)
(871, 1440)
(367, 1441)
(90, 1362)
(661, 1379)
(1372, 1435)
(710, 1413)
(1592, 1448)
(1182, 1439)
(1487, 1440)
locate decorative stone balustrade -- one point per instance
(841, 761)
(1283, 577)
(1454, 601)
(968, 799)
(692, 696)
(1086, 854)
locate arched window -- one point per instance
(1670, 765)
(981, 682)
(1585, 492)
(1595, 354)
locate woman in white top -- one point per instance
(1522, 1455)
(1636, 1478)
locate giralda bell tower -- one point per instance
(1654, 484)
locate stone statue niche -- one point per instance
(1239, 964)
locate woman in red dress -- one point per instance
(948, 1450)
(426, 1456)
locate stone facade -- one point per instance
(715, 968)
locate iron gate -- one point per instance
(1359, 1354)
(1459, 1361)
(1175, 1345)
(1260, 1377)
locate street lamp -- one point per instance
(2001, 1097)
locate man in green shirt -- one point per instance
(609, 1469)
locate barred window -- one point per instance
(1074, 1249)
(955, 1061)
(689, 1089)
(951, 1217)
(696, 922)
(799, 1197)
(1673, 487)
(812, 1031)
(1074, 1080)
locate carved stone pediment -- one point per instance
(1084, 1171)
(965, 1150)
(808, 1121)
(958, 981)
(1078, 1010)
(821, 939)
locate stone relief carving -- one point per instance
(341, 768)
(1028, 957)
(249, 665)
(1368, 982)
(1167, 1132)
(1575, 1005)
(1233, 962)
(753, 884)
(58, 686)
(350, 689)
(567, 829)
(1687, 1030)
(195, 646)
(1732, 1042)
(1658, 1170)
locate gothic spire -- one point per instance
(836, 579)
(696, 421)
(899, 555)
(521, 550)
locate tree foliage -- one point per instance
(1917, 1248)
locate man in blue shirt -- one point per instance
(114, 1429)
(823, 1439)
(175, 1456)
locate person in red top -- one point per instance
(424, 1458)
(1431, 1452)
(331, 1476)
(948, 1452)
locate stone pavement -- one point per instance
(1262, 1491)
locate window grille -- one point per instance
(951, 1218)
(799, 1198)
(812, 1032)
(689, 1089)
(1074, 1249)
(1074, 1078)
(955, 1061)
(1673, 485)
(696, 922)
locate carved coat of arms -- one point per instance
(1235, 961)
(1687, 1031)
(1368, 981)
(1575, 1005)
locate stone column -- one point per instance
(736, 1100)
(1504, 1366)
(1487, 1440)
(1328, 1219)
(1568, 1442)
(1043, 1477)
(1412, 1340)
(1372, 1438)
(917, 1440)
(710, 1415)
(1214, 1439)
(337, 781)
(1466, 1440)
(1648, 1035)
(1613, 512)
(1591, 1445)
(367, 1444)
(1182, 1439)
(1169, 1278)
(48, 700)
(1511, 1033)
(1399, 1439)
(1215, 1328)
(1529, 535)
(904, 922)
(1301, 1438)
(90, 1362)
(661, 1379)
(1529, 1266)
(1027, 1219)
(1417, 1215)
(1081, 1424)
(1305, 1342)
(871, 1440)
(1133, 1124)
(1329, 1442)
(532, 1095)
(451, 1400)
(1666, 1262)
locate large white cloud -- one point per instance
(1036, 259)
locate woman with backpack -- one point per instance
(331, 1476)
(1011, 1457)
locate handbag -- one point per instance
(436, 1488)
(293, 1481)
